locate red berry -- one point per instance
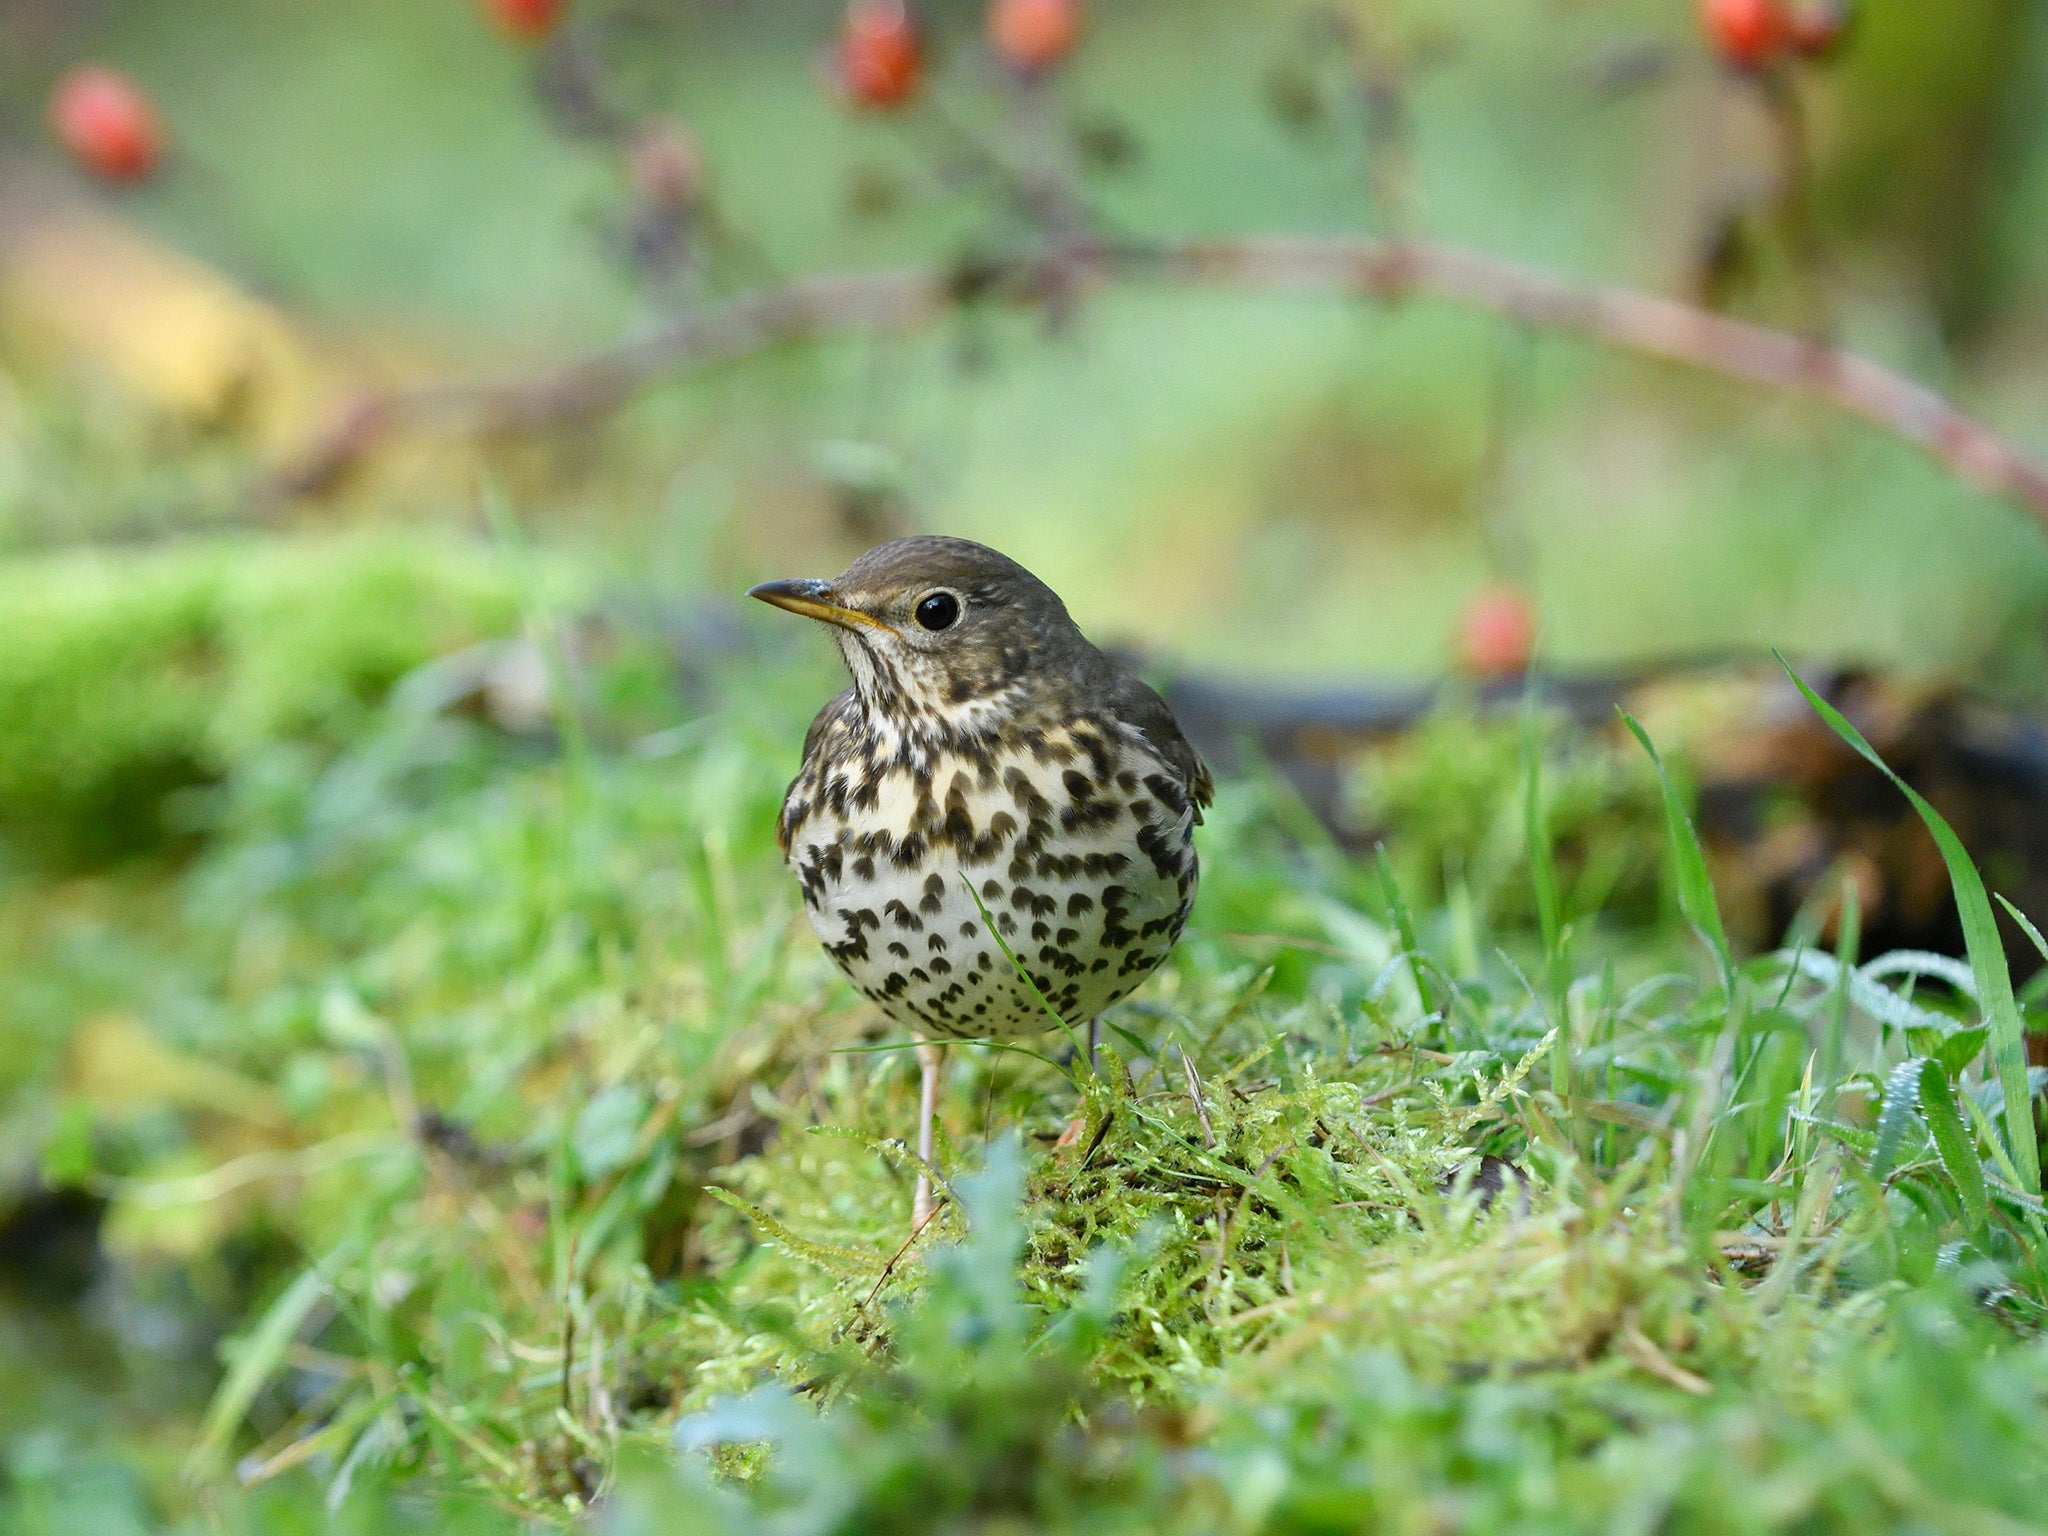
(1034, 35)
(1497, 635)
(103, 118)
(881, 62)
(1817, 29)
(527, 20)
(1747, 33)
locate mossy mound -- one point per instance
(128, 676)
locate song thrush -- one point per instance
(987, 750)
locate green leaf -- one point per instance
(1958, 1150)
(1926, 1039)
(1689, 862)
(1961, 1048)
(1980, 936)
(1901, 1097)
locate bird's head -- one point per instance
(943, 628)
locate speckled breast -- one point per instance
(1077, 842)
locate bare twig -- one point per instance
(895, 1258)
(906, 299)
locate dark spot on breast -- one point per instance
(1060, 960)
(1090, 815)
(1025, 793)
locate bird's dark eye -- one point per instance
(938, 610)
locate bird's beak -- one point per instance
(815, 598)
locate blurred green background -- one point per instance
(1294, 488)
(1298, 483)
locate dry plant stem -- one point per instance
(929, 1060)
(1194, 1080)
(906, 299)
(888, 1269)
(1187, 1066)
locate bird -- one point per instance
(990, 786)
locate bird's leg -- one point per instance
(1079, 1122)
(929, 1058)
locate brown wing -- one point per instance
(1135, 704)
(797, 802)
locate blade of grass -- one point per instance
(260, 1357)
(989, 923)
(1980, 937)
(1958, 1152)
(1542, 864)
(1689, 864)
(2033, 934)
(1901, 1095)
(1848, 939)
(1404, 925)
(1543, 876)
(1696, 902)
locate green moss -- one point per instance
(128, 676)
(1448, 795)
(508, 1018)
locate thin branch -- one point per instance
(907, 299)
